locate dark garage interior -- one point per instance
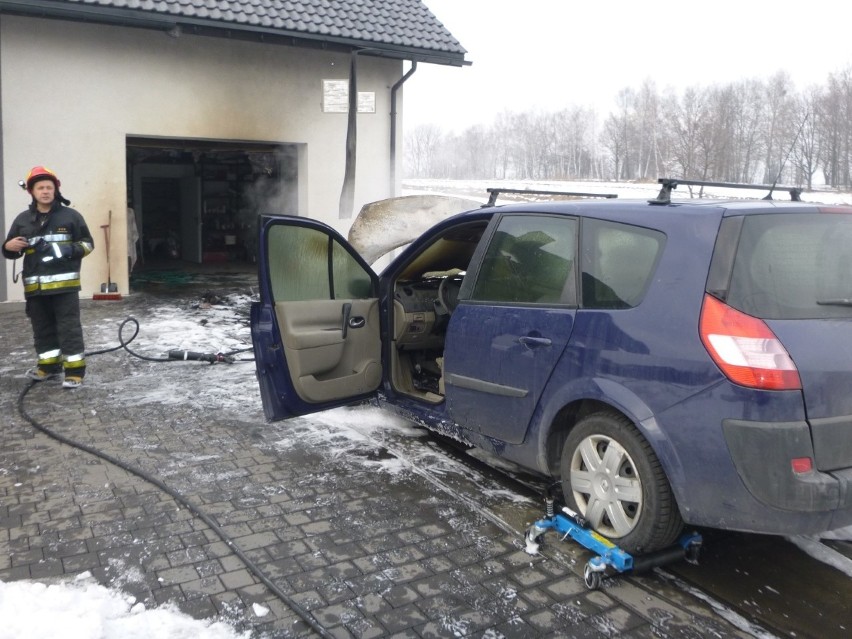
(196, 203)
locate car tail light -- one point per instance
(745, 348)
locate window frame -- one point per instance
(477, 262)
(586, 243)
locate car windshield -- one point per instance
(794, 266)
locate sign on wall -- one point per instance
(335, 98)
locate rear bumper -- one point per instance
(832, 442)
(762, 454)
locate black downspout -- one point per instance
(347, 192)
(394, 89)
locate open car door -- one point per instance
(315, 330)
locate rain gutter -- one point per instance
(394, 89)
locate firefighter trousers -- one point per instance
(57, 332)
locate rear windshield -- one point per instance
(794, 266)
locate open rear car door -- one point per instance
(315, 330)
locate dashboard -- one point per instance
(418, 296)
(414, 314)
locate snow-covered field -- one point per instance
(477, 190)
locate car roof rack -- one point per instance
(494, 193)
(665, 195)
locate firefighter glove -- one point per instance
(57, 251)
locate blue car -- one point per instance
(667, 362)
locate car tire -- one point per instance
(613, 479)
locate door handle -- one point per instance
(347, 309)
(530, 341)
(357, 322)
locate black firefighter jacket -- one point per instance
(63, 226)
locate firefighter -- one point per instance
(53, 239)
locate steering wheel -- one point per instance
(448, 294)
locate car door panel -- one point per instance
(512, 325)
(497, 365)
(323, 364)
(316, 328)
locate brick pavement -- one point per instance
(367, 552)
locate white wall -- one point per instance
(72, 93)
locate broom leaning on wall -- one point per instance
(109, 289)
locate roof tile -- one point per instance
(399, 23)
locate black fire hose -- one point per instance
(174, 355)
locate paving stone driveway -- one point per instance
(364, 540)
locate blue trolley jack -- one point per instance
(610, 559)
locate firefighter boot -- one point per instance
(42, 373)
(72, 382)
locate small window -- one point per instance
(618, 263)
(530, 260)
(307, 264)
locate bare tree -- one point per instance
(649, 125)
(421, 149)
(737, 132)
(573, 131)
(475, 153)
(747, 133)
(618, 134)
(685, 121)
(779, 125)
(836, 129)
(805, 150)
(614, 140)
(517, 127)
(714, 133)
(540, 143)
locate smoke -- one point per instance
(274, 192)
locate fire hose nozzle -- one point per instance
(200, 357)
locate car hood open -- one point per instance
(384, 225)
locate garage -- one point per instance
(196, 202)
(199, 120)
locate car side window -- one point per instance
(307, 264)
(529, 260)
(618, 262)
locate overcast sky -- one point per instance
(549, 54)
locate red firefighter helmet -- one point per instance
(38, 173)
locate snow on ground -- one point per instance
(83, 609)
(204, 328)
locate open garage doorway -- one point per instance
(196, 202)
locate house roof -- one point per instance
(403, 29)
